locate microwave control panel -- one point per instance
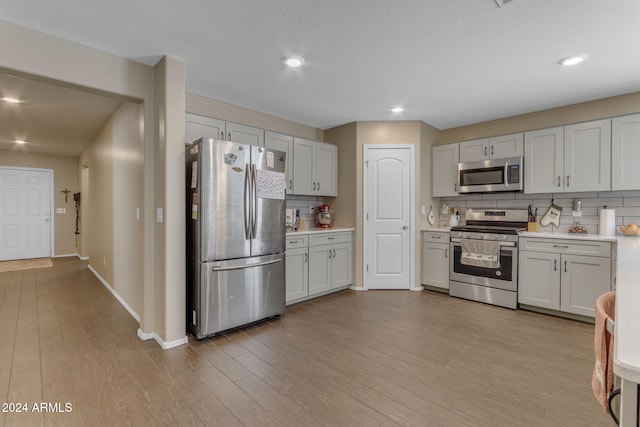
(514, 174)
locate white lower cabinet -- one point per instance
(321, 267)
(563, 275)
(435, 259)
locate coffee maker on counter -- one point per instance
(292, 217)
(324, 216)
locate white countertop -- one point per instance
(572, 236)
(626, 356)
(318, 230)
(435, 228)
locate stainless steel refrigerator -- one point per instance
(235, 235)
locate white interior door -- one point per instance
(388, 217)
(25, 213)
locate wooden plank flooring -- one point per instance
(375, 358)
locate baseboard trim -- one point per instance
(83, 258)
(417, 289)
(165, 345)
(115, 294)
(65, 255)
(357, 288)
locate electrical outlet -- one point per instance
(312, 210)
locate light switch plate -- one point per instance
(159, 215)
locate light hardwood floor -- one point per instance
(376, 358)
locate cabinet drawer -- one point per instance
(297, 241)
(329, 238)
(585, 247)
(435, 237)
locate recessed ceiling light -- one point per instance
(294, 61)
(573, 60)
(397, 110)
(11, 100)
(19, 141)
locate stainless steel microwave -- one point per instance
(488, 176)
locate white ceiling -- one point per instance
(449, 63)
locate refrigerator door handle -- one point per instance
(247, 202)
(254, 201)
(239, 267)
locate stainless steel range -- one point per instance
(484, 256)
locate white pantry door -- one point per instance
(25, 213)
(388, 217)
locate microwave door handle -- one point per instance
(506, 174)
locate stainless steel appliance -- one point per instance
(497, 285)
(489, 176)
(235, 235)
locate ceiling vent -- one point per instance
(503, 2)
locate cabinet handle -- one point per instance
(446, 251)
(290, 185)
(492, 147)
(558, 180)
(330, 238)
(293, 241)
(555, 265)
(318, 186)
(436, 237)
(565, 265)
(314, 186)
(485, 151)
(306, 256)
(455, 187)
(561, 246)
(567, 180)
(229, 134)
(334, 253)
(329, 253)
(222, 135)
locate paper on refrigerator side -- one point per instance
(270, 185)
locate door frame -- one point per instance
(412, 207)
(51, 202)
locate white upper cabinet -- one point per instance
(497, 147)
(284, 143)
(444, 170)
(207, 127)
(568, 159)
(202, 127)
(477, 149)
(505, 146)
(315, 168)
(625, 153)
(587, 156)
(543, 160)
(244, 134)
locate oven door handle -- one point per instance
(502, 244)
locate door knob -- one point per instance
(405, 227)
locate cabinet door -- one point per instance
(435, 264)
(297, 274)
(625, 152)
(543, 165)
(539, 279)
(303, 159)
(445, 170)
(284, 143)
(244, 134)
(326, 169)
(587, 156)
(202, 127)
(502, 147)
(472, 151)
(584, 279)
(341, 275)
(319, 269)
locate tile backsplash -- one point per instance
(625, 203)
(305, 203)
